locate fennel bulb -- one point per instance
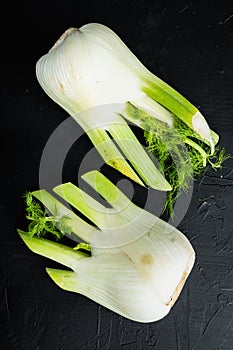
(138, 263)
(90, 67)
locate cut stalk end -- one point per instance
(66, 280)
(53, 250)
(201, 127)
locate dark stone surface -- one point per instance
(190, 46)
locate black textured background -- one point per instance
(189, 44)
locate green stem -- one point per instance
(179, 106)
(110, 153)
(81, 201)
(137, 166)
(137, 156)
(76, 225)
(55, 251)
(106, 189)
(171, 99)
(67, 280)
(198, 148)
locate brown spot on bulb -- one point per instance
(147, 259)
(61, 87)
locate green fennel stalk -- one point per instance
(181, 153)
